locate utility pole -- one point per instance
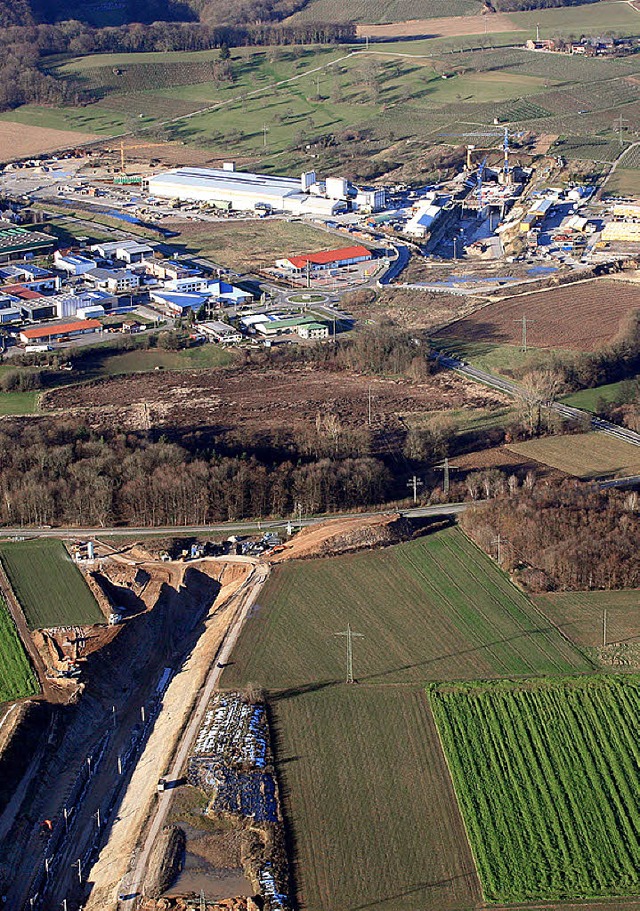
(79, 862)
(498, 544)
(318, 86)
(369, 408)
(446, 469)
(349, 634)
(98, 819)
(265, 130)
(537, 31)
(203, 904)
(308, 274)
(119, 764)
(89, 765)
(604, 628)
(115, 716)
(524, 323)
(142, 715)
(415, 482)
(620, 120)
(299, 511)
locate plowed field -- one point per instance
(582, 317)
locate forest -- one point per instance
(565, 536)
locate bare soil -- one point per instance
(17, 140)
(260, 403)
(344, 535)
(504, 459)
(414, 309)
(447, 27)
(583, 316)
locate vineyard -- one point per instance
(50, 588)
(17, 678)
(381, 11)
(546, 774)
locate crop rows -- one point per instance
(17, 678)
(375, 11)
(49, 587)
(546, 776)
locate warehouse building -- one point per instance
(16, 243)
(73, 263)
(126, 251)
(246, 192)
(54, 332)
(326, 259)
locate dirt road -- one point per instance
(197, 679)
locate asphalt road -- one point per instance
(567, 411)
(230, 528)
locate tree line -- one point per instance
(566, 536)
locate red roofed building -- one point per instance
(53, 332)
(21, 291)
(327, 259)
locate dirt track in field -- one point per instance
(447, 27)
(17, 140)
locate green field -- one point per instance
(503, 360)
(580, 615)
(19, 402)
(435, 608)
(370, 802)
(17, 678)
(49, 587)
(622, 391)
(546, 776)
(584, 455)
(319, 94)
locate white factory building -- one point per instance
(249, 192)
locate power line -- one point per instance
(349, 635)
(524, 323)
(415, 482)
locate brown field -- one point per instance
(504, 459)
(585, 455)
(17, 140)
(446, 27)
(261, 402)
(240, 244)
(582, 317)
(413, 309)
(173, 154)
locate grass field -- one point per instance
(610, 392)
(254, 244)
(49, 587)
(585, 455)
(504, 360)
(370, 802)
(17, 678)
(580, 615)
(19, 402)
(143, 360)
(546, 777)
(431, 609)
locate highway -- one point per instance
(513, 389)
(228, 528)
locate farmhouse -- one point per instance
(327, 259)
(220, 332)
(56, 331)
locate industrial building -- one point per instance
(423, 221)
(127, 251)
(628, 231)
(73, 263)
(18, 242)
(118, 281)
(56, 331)
(326, 259)
(247, 192)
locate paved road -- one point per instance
(567, 411)
(229, 528)
(247, 594)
